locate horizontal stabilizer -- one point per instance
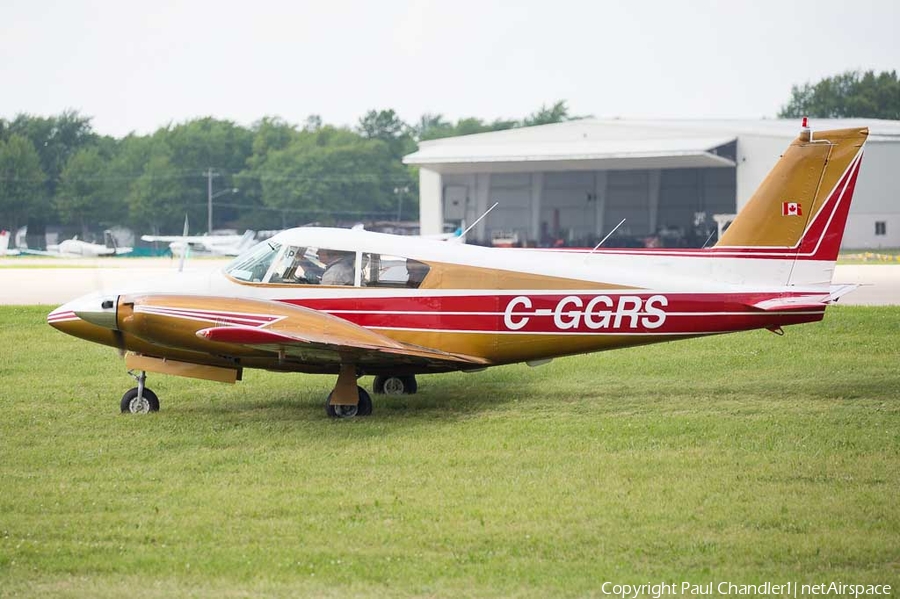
(791, 304)
(839, 291)
(817, 301)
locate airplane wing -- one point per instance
(387, 350)
(229, 326)
(202, 239)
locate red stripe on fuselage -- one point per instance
(644, 313)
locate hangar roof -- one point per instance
(617, 144)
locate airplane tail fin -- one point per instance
(799, 211)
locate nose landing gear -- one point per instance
(140, 399)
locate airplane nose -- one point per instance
(61, 315)
(96, 308)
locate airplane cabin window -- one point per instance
(340, 266)
(297, 266)
(381, 270)
(314, 266)
(254, 264)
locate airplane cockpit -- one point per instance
(271, 262)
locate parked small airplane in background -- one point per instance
(205, 245)
(357, 303)
(76, 248)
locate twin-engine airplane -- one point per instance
(355, 303)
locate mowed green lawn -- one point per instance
(743, 458)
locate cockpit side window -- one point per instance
(382, 270)
(299, 265)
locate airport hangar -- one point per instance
(573, 182)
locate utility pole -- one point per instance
(209, 178)
(399, 191)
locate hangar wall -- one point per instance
(581, 207)
(877, 200)
(576, 180)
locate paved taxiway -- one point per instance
(50, 281)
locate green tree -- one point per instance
(346, 178)
(270, 134)
(847, 95)
(389, 128)
(82, 197)
(55, 139)
(22, 194)
(313, 123)
(156, 199)
(124, 168)
(557, 113)
(198, 146)
(432, 126)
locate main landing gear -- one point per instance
(363, 408)
(347, 402)
(348, 399)
(395, 385)
(140, 399)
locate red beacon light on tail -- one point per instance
(805, 132)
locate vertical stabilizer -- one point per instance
(799, 211)
(801, 207)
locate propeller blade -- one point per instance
(120, 342)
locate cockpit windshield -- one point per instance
(254, 264)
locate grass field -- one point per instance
(743, 458)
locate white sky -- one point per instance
(136, 66)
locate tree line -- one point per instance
(58, 171)
(847, 95)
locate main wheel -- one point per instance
(363, 408)
(132, 404)
(395, 385)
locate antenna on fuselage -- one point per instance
(596, 247)
(462, 235)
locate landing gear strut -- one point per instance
(363, 408)
(395, 385)
(140, 399)
(348, 399)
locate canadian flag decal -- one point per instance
(791, 209)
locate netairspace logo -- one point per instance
(785, 589)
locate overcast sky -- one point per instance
(136, 66)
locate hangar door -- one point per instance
(513, 192)
(569, 207)
(628, 197)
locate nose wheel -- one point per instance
(140, 399)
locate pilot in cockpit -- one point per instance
(339, 266)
